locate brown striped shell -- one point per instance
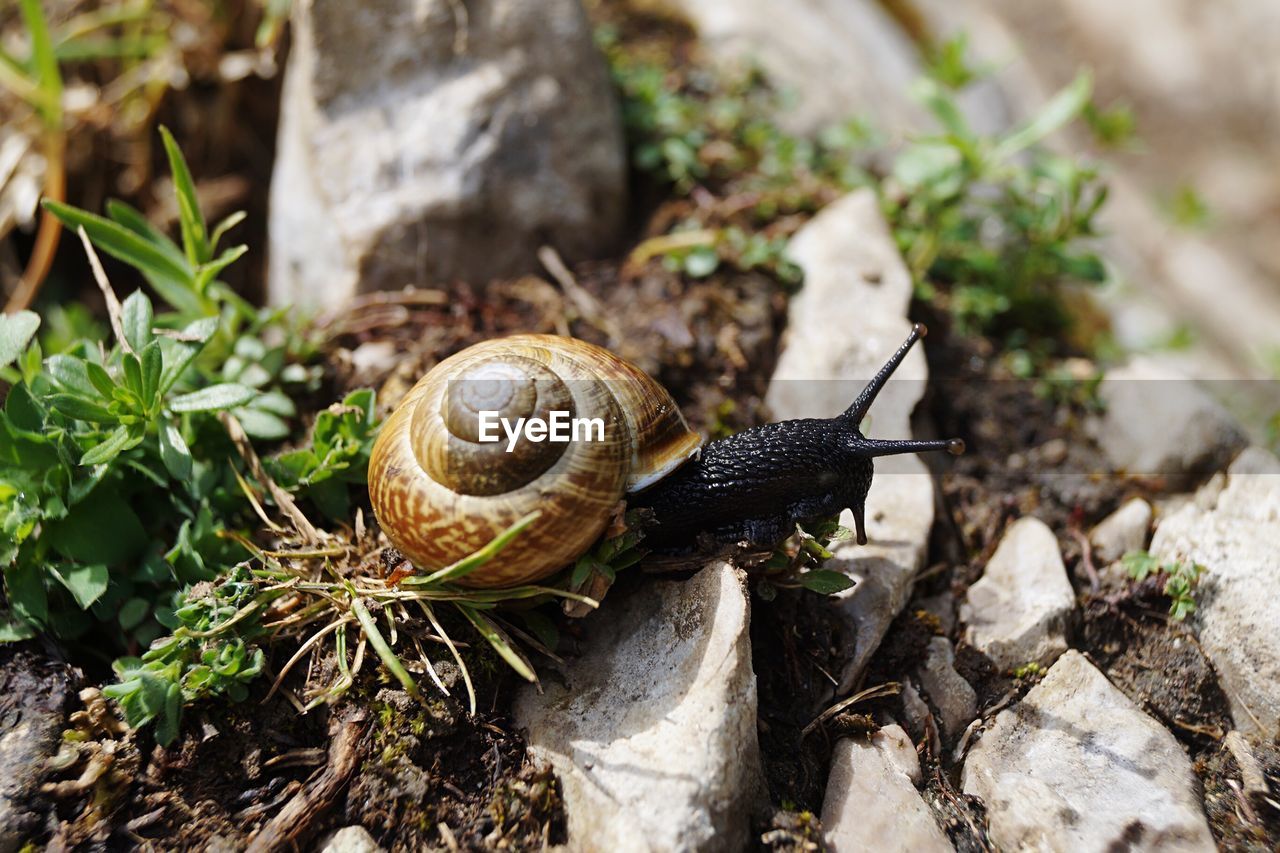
(440, 493)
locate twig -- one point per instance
(114, 311)
(282, 498)
(588, 306)
(1086, 560)
(889, 688)
(293, 823)
(1251, 773)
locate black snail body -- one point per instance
(755, 486)
(441, 490)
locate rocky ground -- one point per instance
(995, 679)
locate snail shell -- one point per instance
(440, 493)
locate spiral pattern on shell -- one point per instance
(440, 493)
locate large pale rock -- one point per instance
(1077, 766)
(423, 141)
(872, 802)
(955, 698)
(1018, 610)
(1236, 536)
(654, 735)
(1160, 423)
(842, 326)
(1123, 531)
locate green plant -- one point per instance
(1181, 579)
(336, 458)
(116, 476)
(797, 563)
(203, 657)
(715, 136)
(993, 228)
(1028, 670)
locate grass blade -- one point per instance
(470, 563)
(500, 642)
(379, 643)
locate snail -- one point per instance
(440, 492)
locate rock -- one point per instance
(653, 737)
(426, 141)
(837, 58)
(915, 711)
(1077, 766)
(1017, 612)
(872, 802)
(955, 698)
(1234, 536)
(1159, 423)
(941, 607)
(1123, 531)
(350, 839)
(35, 694)
(847, 319)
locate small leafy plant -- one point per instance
(797, 563)
(993, 228)
(117, 479)
(1181, 579)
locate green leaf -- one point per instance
(72, 373)
(100, 379)
(261, 425)
(132, 219)
(1061, 109)
(380, 646)
(943, 107)
(132, 374)
(500, 642)
(137, 317)
(25, 587)
(174, 453)
(119, 441)
(13, 629)
(701, 262)
(226, 395)
(1139, 564)
(277, 403)
(224, 226)
(825, 581)
(80, 409)
(929, 163)
(152, 369)
(132, 612)
(16, 331)
(86, 583)
(195, 239)
(178, 355)
(206, 273)
(125, 245)
(101, 528)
